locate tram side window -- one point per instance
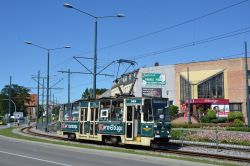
(92, 114)
(116, 114)
(104, 114)
(147, 110)
(85, 114)
(82, 114)
(96, 114)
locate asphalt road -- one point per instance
(16, 152)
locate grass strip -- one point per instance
(8, 133)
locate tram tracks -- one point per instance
(27, 130)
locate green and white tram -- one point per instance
(126, 120)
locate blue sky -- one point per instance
(49, 24)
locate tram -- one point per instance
(123, 120)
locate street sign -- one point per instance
(153, 79)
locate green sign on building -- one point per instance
(134, 101)
(153, 79)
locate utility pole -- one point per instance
(48, 98)
(37, 111)
(189, 111)
(53, 100)
(42, 102)
(247, 88)
(50, 106)
(43, 88)
(9, 101)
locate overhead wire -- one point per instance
(191, 44)
(171, 27)
(164, 29)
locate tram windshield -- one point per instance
(160, 111)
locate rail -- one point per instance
(27, 130)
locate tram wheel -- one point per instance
(71, 136)
(114, 140)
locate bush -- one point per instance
(219, 120)
(185, 125)
(173, 110)
(235, 115)
(244, 129)
(211, 114)
(238, 123)
(205, 119)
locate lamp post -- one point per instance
(47, 96)
(95, 40)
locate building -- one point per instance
(218, 84)
(30, 104)
(157, 81)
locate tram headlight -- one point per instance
(157, 132)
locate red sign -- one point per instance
(208, 101)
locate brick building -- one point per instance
(31, 105)
(219, 83)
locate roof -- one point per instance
(195, 77)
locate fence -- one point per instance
(217, 138)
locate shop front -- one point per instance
(202, 105)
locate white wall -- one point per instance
(168, 90)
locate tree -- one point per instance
(18, 95)
(173, 110)
(3, 104)
(88, 92)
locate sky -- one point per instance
(48, 24)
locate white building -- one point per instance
(156, 81)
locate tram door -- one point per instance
(93, 124)
(130, 123)
(83, 120)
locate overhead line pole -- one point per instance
(9, 101)
(69, 73)
(42, 102)
(247, 87)
(37, 111)
(95, 40)
(48, 60)
(189, 108)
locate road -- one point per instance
(17, 152)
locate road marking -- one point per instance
(33, 158)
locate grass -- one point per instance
(8, 132)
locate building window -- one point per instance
(235, 107)
(212, 88)
(183, 89)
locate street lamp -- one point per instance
(67, 5)
(47, 96)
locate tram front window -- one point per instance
(160, 111)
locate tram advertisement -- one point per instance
(111, 128)
(70, 126)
